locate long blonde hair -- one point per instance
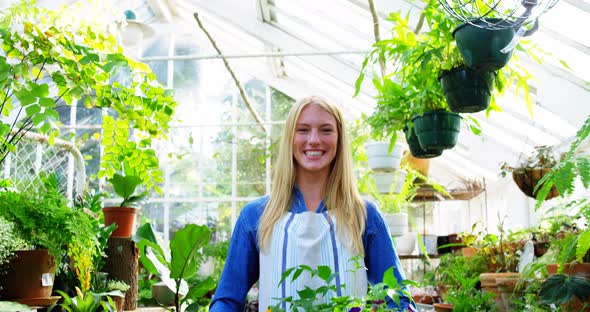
(342, 198)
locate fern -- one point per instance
(571, 166)
(584, 167)
(583, 245)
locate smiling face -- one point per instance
(315, 141)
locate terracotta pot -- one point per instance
(579, 269)
(442, 290)
(528, 179)
(29, 274)
(541, 248)
(119, 302)
(443, 307)
(489, 284)
(418, 164)
(507, 287)
(124, 217)
(425, 299)
(468, 252)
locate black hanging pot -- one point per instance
(481, 47)
(437, 129)
(466, 90)
(415, 148)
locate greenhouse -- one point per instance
(274, 155)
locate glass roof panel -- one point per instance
(569, 21)
(578, 61)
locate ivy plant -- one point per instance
(49, 60)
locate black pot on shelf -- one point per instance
(467, 90)
(415, 148)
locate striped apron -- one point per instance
(307, 238)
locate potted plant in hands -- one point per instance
(530, 171)
(124, 214)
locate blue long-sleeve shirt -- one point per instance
(242, 264)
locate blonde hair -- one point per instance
(342, 198)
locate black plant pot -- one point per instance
(415, 148)
(466, 90)
(481, 47)
(437, 129)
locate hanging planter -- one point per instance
(385, 180)
(527, 178)
(417, 150)
(481, 47)
(379, 157)
(466, 90)
(531, 170)
(437, 129)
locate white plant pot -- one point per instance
(429, 243)
(379, 159)
(385, 179)
(397, 223)
(405, 245)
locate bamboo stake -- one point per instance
(233, 75)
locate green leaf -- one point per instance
(389, 279)
(306, 293)
(583, 245)
(145, 261)
(32, 109)
(124, 186)
(46, 102)
(324, 272)
(201, 289)
(40, 91)
(145, 232)
(185, 247)
(25, 97)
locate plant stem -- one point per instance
(377, 36)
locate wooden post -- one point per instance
(122, 264)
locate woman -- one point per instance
(314, 216)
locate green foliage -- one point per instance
(573, 165)
(185, 250)
(117, 285)
(10, 242)
(412, 86)
(124, 186)
(49, 59)
(560, 289)
(308, 297)
(88, 302)
(465, 296)
(43, 218)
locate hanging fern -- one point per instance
(565, 173)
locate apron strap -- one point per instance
(335, 251)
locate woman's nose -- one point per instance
(314, 136)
